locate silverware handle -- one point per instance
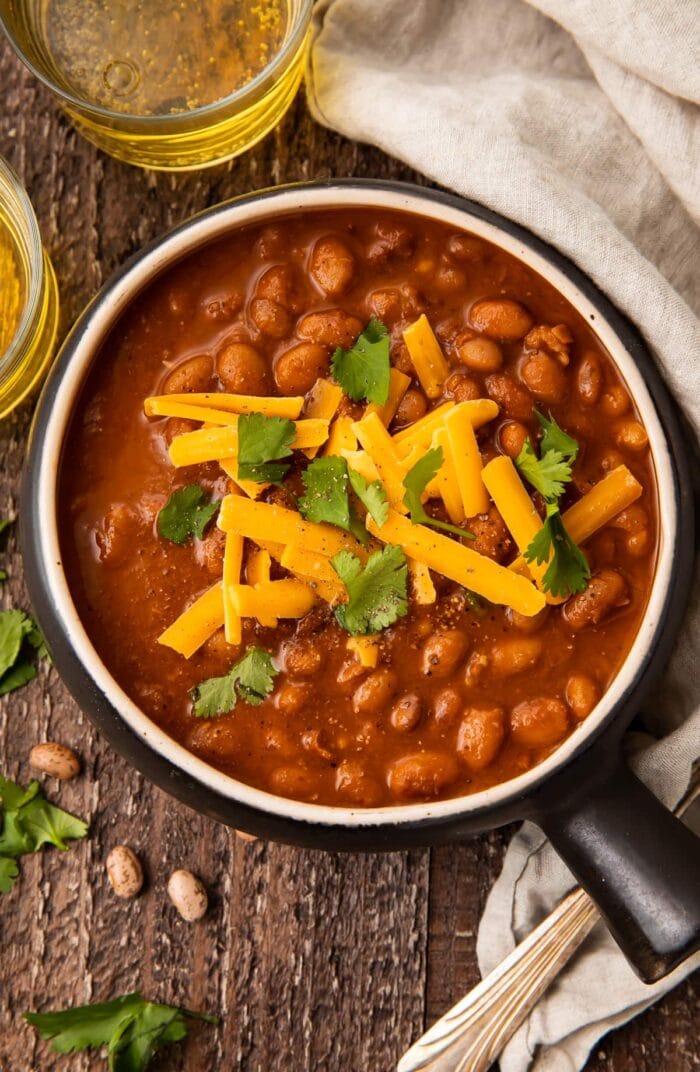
(472, 1034)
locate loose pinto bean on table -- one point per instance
(457, 692)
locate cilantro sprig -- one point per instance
(187, 513)
(327, 485)
(568, 570)
(132, 1029)
(21, 644)
(251, 679)
(415, 482)
(364, 370)
(29, 822)
(262, 444)
(378, 592)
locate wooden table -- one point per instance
(314, 962)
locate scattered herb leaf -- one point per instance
(262, 443)
(415, 482)
(372, 496)
(132, 1029)
(19, 634)
(364, 370)
(29, 821)
(251, 679)
(186, 513)
(378, 592)
(568, 571)
(326, 497)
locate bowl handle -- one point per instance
(640, 865)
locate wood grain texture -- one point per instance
(314, 962)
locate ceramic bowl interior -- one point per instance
(85, 342)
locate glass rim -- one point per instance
(299, 29)
(35, 250)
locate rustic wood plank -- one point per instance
(315, 962)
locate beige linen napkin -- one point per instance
(580, 120)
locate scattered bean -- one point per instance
(188, 894)
(124, 871)
(55, 759)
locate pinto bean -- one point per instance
(412, 407)
(297, 370)
(582, 694)
(277, 285)
(375, 692)
(188, 894)
(606, 590)
(422, 775)
(406, 712)
(330, 327)
(124, 871)
(464, 248)
(449, 280)
(270, 317)
(513, 655)
(462, 388)
(293, 780)
(544, 377)
(393, 239)
(55, 759)
(501, 318)
(491, 535)
(589, 379)
(292, 696)
(442, 651)
(539, 722)
(631, 436)
(615, 401)
(114, 537)
(386, 304)
(446, 706)
(332, 266)
(637, 543)
(480, 736)
(301, 657)
(211, 551)
(513, 399)
(512, 436)
(632, 519)
(353, 781)
(479, 354)
(527, 623)
(194, 374)
(242, 369)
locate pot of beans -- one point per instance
(356, 517)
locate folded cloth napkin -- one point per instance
(580, 120)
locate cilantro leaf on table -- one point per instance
(555, 438)
(132, 1029)
(364, 370)
(326, 496)
(30, 821)
(415, 482)
(262, 443)
(378, 592)
(19, 634)
(568, 570)
(251, 679)
(371, 495)
(186, 513)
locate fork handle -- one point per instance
(471, 1035)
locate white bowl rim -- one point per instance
(249, 210)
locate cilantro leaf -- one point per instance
(378, 592)
(9, 872)
(363, 371)
(29, 821)
(251, 679)
(548, 474)
(568, 570)
(6, 523)
(372, 496)
(262, 442)
(20, 674)
(12, 633)
(555, 438)
(186, 513)
(326, 497)
(133, 1029)
(415, 482)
